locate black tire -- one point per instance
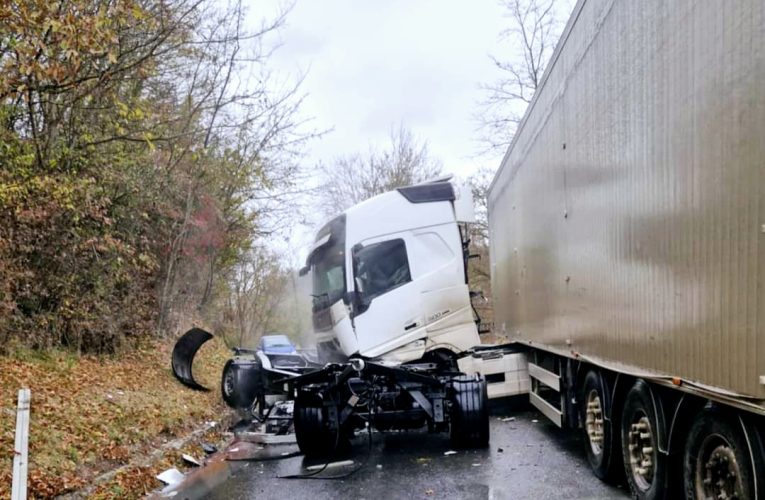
(312, 432)
(469, 414)
(639, 439)
(719, 443)
(601, 443)
(239, 384)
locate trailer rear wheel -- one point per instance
(312, 432)
(723, 458)
(645, 466)
(469, 426)
(601, 445)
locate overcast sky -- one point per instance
(374, 64)
(371, 65)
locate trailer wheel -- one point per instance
(723, 458)
(469, 422)
(645, 466)
(312, 432)
(601, 445)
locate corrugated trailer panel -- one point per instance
(627, 217)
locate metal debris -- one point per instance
(341, 463)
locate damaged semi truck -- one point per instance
(393, 321)
(391, 305)
(627, 254)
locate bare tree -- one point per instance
(534, 29)
(258, 284)
(352, 179)
(241, 138)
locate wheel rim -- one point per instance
(594, 422)
(228, 383)
(718, 474)
(642, 452)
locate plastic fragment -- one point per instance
(171, 476)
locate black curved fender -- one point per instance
(183, 356)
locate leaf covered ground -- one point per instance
(92, 414)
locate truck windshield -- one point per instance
(328, 275)
(328, 265)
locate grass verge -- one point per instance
(93, 414)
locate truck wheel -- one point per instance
(227, 383)
(600, 443)
(312, 432)
(645, 466)
(723, 458)
(469, 418)
(238, 384)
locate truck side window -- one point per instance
(382, 267)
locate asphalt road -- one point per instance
(528, 458)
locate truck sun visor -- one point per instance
(427, 193)
(317, 245)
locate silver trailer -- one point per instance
(628, 243)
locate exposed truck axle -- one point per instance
(332, 403)
(337, 399)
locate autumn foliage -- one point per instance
(91, 414)
(138, 166)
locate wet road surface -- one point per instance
(528, 458)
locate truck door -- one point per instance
(388, 310)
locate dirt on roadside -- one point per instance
(91, 415)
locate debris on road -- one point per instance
(450, 452)
(208, 448)
(171, 477)
(341, 463)
(507, 419)
(266, 438)
(190, 460)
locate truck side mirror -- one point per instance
(303, 271)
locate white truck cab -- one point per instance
(389, 280)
